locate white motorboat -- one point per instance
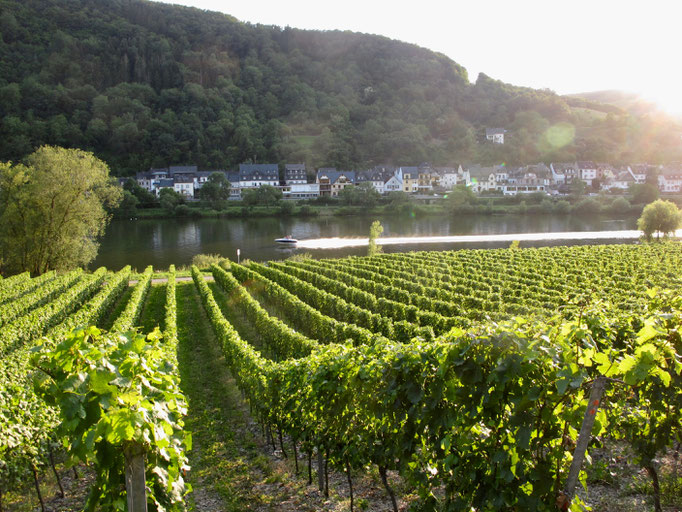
(287, 240)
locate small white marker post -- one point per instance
(238, 252)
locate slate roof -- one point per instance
(494, 131)
(265, 172)
(294, 167)
(367, 175)
(334, 175)
(586, 165)
(478, 172)
(295, 172)
(560, 167)
(624, 176)
(540, 170)
(182, 169)
(412, 171)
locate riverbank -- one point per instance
(330, 207)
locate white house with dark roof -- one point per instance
(481, 179)
(450, 176)
(564, 172)
(394, 183)
(588, 171)
(149, 179)
(184, 185)
(670, 180)
(371, 176)
(256, 175)
(163, 183)
(495, 135)
(295, 174)
(641, 171)
(623, 179)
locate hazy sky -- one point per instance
(569, 46)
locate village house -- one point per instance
(235, 184)
(429, 178)
(495, 135)
(641, 171)
(481, 179)
(163, 183)
(332, 181)
(564, 172)
(670, 180)
(301, 191)
(449, 176)
(410, 179)
(394, 183)
(295, 174)
(182, 171)
(184, 185)
(371, 176)
(588, 172)
(256, 175)
(623, 179)
(523, 180)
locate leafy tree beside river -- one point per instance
(52, 209)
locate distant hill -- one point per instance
(148, 84)
(625, 101)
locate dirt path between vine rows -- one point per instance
(233, 467)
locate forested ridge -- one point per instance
(146, 84)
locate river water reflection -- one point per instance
(175, 241)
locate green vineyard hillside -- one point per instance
(465, 375)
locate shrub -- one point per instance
(206, 260)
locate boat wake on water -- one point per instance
(336, 243)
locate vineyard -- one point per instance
(468, 376)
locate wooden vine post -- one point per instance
(320, 473)
(135, 478)
(564, 500)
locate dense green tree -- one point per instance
(52, 209)
(460, 198)
(216, 190)
(265, 195)
(620, 205)
(128, 205)
(363, 194)
(577, 187)
(644, 193)
(659, 217)
(144, 197)
(169, 199)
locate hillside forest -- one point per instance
(144, 84)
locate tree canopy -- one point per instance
(216, 190)
(265, 195)
(52, 209)
(363, 194)
(659, 217)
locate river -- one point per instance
(175, 241)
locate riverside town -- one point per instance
(296, 182)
